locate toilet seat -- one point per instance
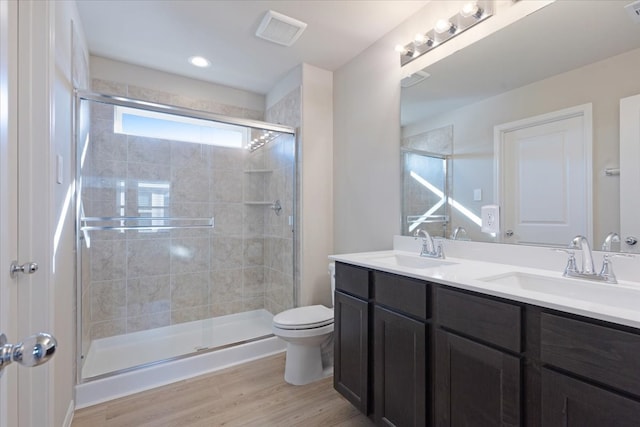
(309, 317)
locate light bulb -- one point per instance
(401, 49)
(470, 9)
(442, 26)
(420, 39)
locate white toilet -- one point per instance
(305, 329)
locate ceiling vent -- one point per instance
(279, 28)
(634, 11)
(414, 78)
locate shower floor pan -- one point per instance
(123, 352)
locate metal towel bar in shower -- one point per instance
(124, 219)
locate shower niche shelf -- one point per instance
(275, 206)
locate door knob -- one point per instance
(33, 351)
(28, 268)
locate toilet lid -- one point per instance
(313, 316)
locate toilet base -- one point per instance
(304, 364)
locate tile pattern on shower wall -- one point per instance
(142, 280)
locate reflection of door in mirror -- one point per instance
(424, 184)
(543, 177)
(630, 173)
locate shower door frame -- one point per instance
(116, 100)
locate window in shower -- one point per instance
(152, 124)
(153, 202)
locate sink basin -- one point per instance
(411, 261)
(614, 295)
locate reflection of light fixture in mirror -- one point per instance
(472, 13)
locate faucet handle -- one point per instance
(439, 248)
(607, 270)
(571, 266)
(607, 266)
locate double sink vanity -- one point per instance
(491, 335)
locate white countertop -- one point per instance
(621, 305)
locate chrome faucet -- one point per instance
(612, 237)
(458, 232)
(581, 243)
(429, 249)
(588, 270)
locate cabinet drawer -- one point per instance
(353, 280)
(402, 294)
(603, 354)
(488, 320)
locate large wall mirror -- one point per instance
(529, 119)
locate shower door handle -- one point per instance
(33, 351)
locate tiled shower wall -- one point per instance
(143, 280)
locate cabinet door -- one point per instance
(567, 402)
(351, 350)
(475, 384)
(400, 369)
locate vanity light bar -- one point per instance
(471, 13)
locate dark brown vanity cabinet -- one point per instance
(413, 353)
(400, 351)
(477, 361)
(351, 375)
(599, 379)
(381, 345)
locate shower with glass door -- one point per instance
(185, 232)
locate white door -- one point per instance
(630, 173)
(8, 204)
(543, 177)
(24, 393)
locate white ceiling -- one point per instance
(164, 34)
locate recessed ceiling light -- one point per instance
(199, 61)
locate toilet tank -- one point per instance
(332, 274)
